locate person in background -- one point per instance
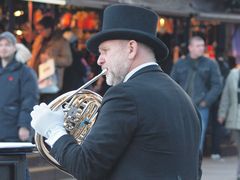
(135, 135)
(19, 92)
(49, 44)
(28, 35)
(79, 67)
(200, 77)
(218, 130)
(229, 108)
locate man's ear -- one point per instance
(133, 48)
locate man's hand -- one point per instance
(221, 120)
(23, 134)
(47, 122)
(203, 104)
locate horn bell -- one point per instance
(80, 112)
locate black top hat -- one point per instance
(129, 22)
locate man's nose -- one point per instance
(100, 60)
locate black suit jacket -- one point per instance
(147, 129)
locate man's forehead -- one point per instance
(108, 43)
(6, 41)
(105, 44)
(197, 42)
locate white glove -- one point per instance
(48, 123)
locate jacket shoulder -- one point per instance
(181, 62)
(27, 71)
(207, 60)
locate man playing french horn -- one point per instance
(147, 127)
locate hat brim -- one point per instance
(160, 49)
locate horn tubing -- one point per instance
(39, 140)
(84, 86)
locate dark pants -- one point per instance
(217, 135)
(218, 130)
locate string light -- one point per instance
(18, 13)
(18, 32)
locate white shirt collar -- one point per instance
(137, 69)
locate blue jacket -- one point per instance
(19, 93)
(207, 84)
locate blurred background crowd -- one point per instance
(51, 31)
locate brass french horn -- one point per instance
(80, 109)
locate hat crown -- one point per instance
(9, 36)
(130, 18)
(127, 22)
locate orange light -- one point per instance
(162, 22)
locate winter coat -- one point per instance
(207, 84)
(229, 108)
(19, 93)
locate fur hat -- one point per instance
(22, 54)
(128, 22)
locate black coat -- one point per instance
(19, 93)
(147, 129)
